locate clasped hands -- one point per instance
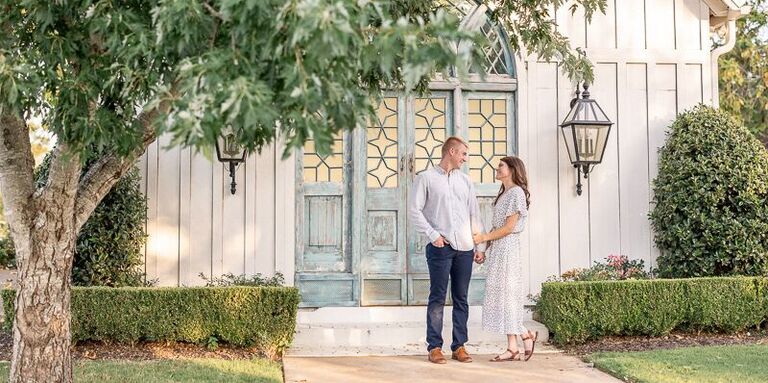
(479, 257)
(479, 238)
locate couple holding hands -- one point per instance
(445, 210)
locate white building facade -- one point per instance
(336, 227)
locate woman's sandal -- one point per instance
(515, 356)
(532, 337)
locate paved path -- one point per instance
(547, 365)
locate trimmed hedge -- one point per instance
(578, 311)
(261, 317)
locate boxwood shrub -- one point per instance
(261, 317)
(578, 311)
(710, 214)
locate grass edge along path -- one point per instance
(735, 363)
(176, 370)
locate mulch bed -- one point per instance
(674, 340)
(170, 350)
(141, 351)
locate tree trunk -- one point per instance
(41, 328)
(44, 222)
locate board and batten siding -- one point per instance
(196, 226)
(652, 61)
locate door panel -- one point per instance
(488, 118)
(324, 272)
(431, 123)
(382, 263)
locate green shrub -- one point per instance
(578, 311)
(230, 279)
(261, 317)
(7, 251)
(108, 250)
(711, 198)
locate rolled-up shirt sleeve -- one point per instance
(474, 217)
(416, 207)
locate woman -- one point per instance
(503, 310)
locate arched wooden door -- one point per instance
(355, 245)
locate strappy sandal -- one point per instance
(532, 337)
(515, 356)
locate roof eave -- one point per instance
(722, 11)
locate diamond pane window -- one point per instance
(327, 168)
(495, 52)
(460, 8)
(430, 131)
(381, 136)
(487, 121)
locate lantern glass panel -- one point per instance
(568, 138)
(228, 149)
(590, 142)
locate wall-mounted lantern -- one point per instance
(585, 131)
(230, 153)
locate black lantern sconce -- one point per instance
(585, 131)
(230, 153)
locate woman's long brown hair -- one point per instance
(519, 177)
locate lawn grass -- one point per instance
(182, 370)
(743, 363)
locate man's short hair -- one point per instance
(452, 142)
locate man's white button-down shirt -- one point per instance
(445, 203)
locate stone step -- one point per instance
(364, 331)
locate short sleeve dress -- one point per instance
(503, 310)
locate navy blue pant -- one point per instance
(445, 262)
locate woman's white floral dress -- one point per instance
(503, 309)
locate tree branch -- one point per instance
(63, 175)
(16, 173)
(213, 12)
(105, 172)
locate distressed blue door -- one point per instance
(485, 120)
(324, 263)
(356, 244)
(382, 185)
(432, 122)
(488, 127)
(403, 141)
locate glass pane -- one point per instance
(487, 126)
(381, 136)
(430, 130)
(591, 141)
(328, 168)
(495, 60)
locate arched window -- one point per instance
(475, 16)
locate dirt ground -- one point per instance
(674, 340)
(141, 351)
(170, 350)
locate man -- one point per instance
(445, 209)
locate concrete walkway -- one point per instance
(547, 365)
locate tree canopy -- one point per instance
(744, 72)
(301, 67)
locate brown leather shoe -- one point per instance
(461, 355)
(436, 356)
